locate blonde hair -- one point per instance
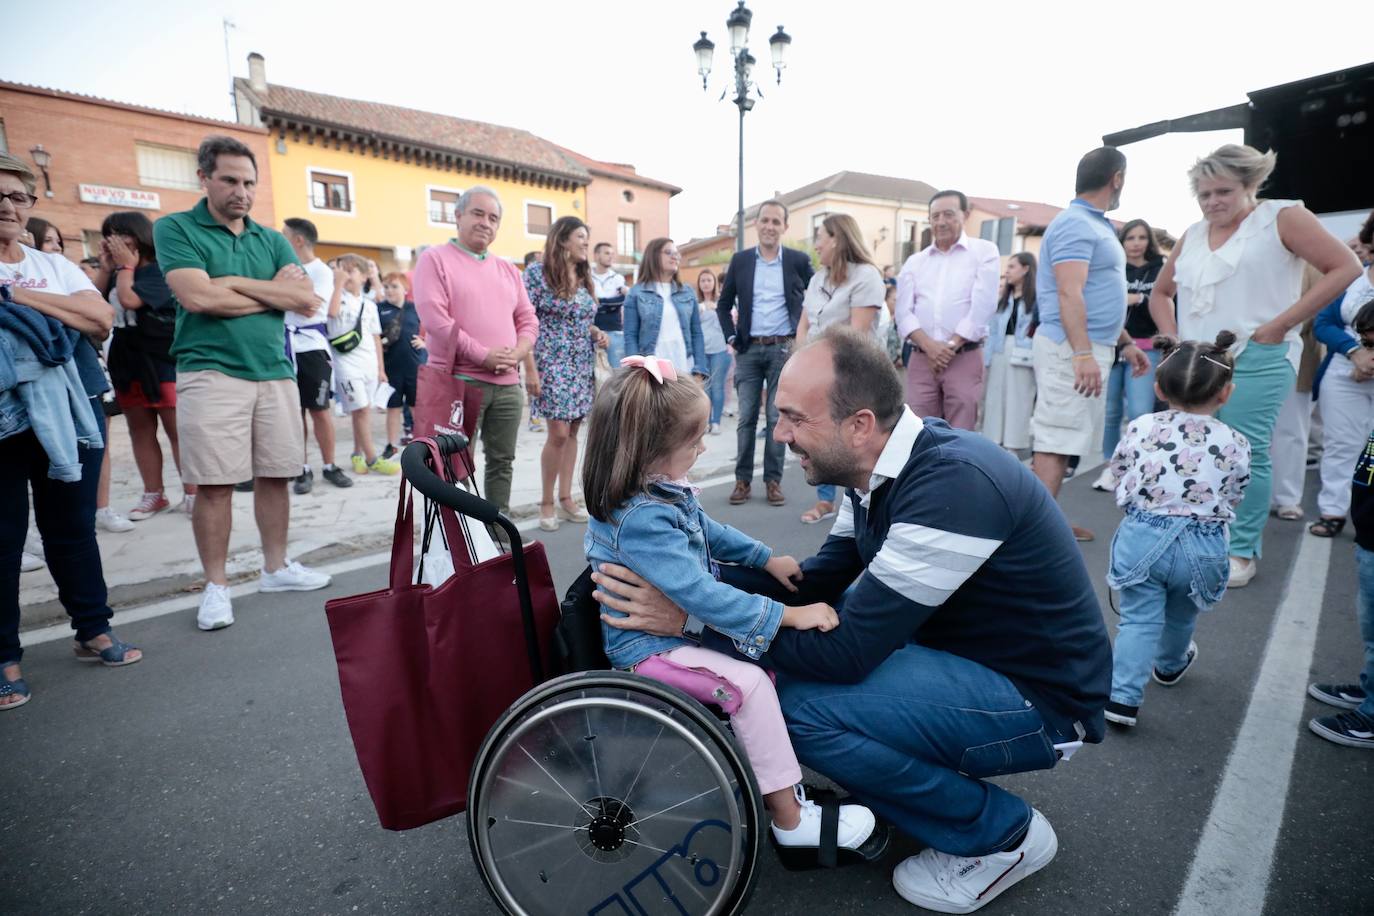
(1235, 162)
(849, 246)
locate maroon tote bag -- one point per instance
(444, 404)
(424, 673)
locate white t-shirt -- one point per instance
(670, 345)
(45, 273)
(608, 285)
(361, 361)
(303, 339)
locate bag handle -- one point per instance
(403, 540)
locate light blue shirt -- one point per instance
(770, 315)
(1081, 232)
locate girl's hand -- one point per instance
(811, 617)
(785, 569)
(599, 338)
(120, 253)
(417, 342)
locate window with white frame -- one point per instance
(443, 206)
(627, 238)
(167, 167)
(331, 191)
(1000, 232)
(538, 218)
(4, 141)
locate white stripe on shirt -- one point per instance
(928, 565)
(844, 519)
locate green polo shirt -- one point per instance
(249, 347)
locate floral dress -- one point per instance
(563, 353)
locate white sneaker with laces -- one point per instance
(151, 504)
(1104, 480)
(293, 577)
(1242, 571)
(856, 825)
(108, 519)
(216, 610)
(958, 884)
(29, 562)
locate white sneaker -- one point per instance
(1104, 480)
(957, 884)
(856, 825)
(29, 562)
(108, 519)
(33, 543)
(1242, 571)
(187, 504)
(1289, 513)
(216, 610)
(293, 577)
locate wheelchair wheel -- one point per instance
(613, 795)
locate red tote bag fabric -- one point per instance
(444, 404)
(424, 673)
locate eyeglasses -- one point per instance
(20, 200)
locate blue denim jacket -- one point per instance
(664, 536)
(1197, 549)
(997, 332)
(50, 400)
(644, 317)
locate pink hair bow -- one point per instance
(661, 369)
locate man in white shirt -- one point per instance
(610, 301)
(945, 296)
(306, 338)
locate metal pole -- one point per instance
(739, 215)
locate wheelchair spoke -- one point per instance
(630, 791)
(580, 805)
(590, 740)
(513, 820)
(636, 822)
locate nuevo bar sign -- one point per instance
(120, 197)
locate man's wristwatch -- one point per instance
(692, 628)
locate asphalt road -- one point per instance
(218, 775)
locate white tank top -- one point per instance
(1245, 283)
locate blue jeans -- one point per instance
(915, 740)
(1168, 569)
(65, 513)
(826, 493)
(717, 367)
(1127, 398)
(755, 368)
(615, 348)
(1365, 559)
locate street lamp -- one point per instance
(42, 158)
(738, 27)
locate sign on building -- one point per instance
(108, 196)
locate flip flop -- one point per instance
(17, 687)
(812, 517)
(112, 656)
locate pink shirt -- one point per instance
(468, 307)
(949, 292)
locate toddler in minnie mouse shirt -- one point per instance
(1179, 474)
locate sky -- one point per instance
(998, 99)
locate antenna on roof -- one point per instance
(229, 69)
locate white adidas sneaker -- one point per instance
(962, 884)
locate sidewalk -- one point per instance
(158, 557)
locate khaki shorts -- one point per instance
(1065, 422)
(233, 429)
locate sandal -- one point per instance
(1327, 527)
(818, 513)
(112, 656)
(17, 687)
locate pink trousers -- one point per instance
(758, 722)
(953, 394)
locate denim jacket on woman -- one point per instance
(664, 536)
(644, 317)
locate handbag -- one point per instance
(425, 672)
(1018, 355)
(446, 405)
(349, 340)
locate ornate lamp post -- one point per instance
(738, 27)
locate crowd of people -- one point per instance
(895, 385)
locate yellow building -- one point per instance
(381, 180)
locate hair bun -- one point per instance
(1164, 343)
(1225, 339)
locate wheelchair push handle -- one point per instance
(416, 470)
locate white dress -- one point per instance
(670, 345)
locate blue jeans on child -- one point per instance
(1365, 559)
(1127, 397)
(1168, 568)
(717, 368)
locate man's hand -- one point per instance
(937, 351)
(785, 569)
(1087, 377)
(647, 609)
(290, 272)
(811, 617)
(500, 360)
(1140, 363)
(1269, 333)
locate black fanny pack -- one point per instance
(349, 340)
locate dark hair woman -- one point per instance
(56, 451)
(46, 237)
(661, 314)
(561, 387)
(140, 362)
(718, 356)
(1129, 397)
(1010, 378)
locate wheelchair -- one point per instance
(599, 791)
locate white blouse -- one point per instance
(1245, 283)
(826, 304)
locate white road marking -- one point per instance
(189, 602)
(1232, 864)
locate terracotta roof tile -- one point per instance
(478, 139)
(621, 170)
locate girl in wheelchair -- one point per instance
(645, 434)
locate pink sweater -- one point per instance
(468, 307)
